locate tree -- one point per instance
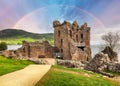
(3, 46)
(111, 39)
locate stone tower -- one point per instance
(72, 40)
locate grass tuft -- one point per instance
(8, 65)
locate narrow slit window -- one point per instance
(70, 33)
(82, 36)
(61, 50)
(61, 42)
(77, 38)
(58, 33)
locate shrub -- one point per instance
(3, 46)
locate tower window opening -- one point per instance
(58, 33)
(81, 47)
(82, 36)
(61, 42)
(70, 33)
(87, 59)
(61, 50)
(77, 38)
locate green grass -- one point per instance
(114, 73)
(76, 70)
(60, 76)
(11, 41)
(8, 65)
(16, 40)
(15, 36)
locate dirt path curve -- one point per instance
(117, 78)
(28, 76)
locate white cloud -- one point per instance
(96, 35)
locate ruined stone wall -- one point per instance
(31, 50)
(36, 50)
(9, 53)
(72, 39)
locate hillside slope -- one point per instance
(14, 33)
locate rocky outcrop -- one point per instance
(102, 62)
(98, 63)
(114, 67)
(71, 64)
(112, 55)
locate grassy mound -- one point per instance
(59, 76)
(8, 65)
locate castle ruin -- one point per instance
(72, 40)
(32, 50)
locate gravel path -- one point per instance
(28, 76)
(117, 79)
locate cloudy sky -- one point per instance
(37, 15)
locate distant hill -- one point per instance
(15, 33)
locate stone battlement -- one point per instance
(75, 25)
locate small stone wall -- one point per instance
(71, 64)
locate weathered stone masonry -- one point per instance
(72, 40)
(31, 50)
(36, 50)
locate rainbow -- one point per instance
(42, 8)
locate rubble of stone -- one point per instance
(112, 55)
(72, 41)
(105, 60)
(114, 67)
(71, 64)
(98, 63)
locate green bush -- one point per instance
(3, 46)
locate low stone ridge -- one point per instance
(71, 64)
(114, 67)
(112, 55)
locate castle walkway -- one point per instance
(28, 76)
